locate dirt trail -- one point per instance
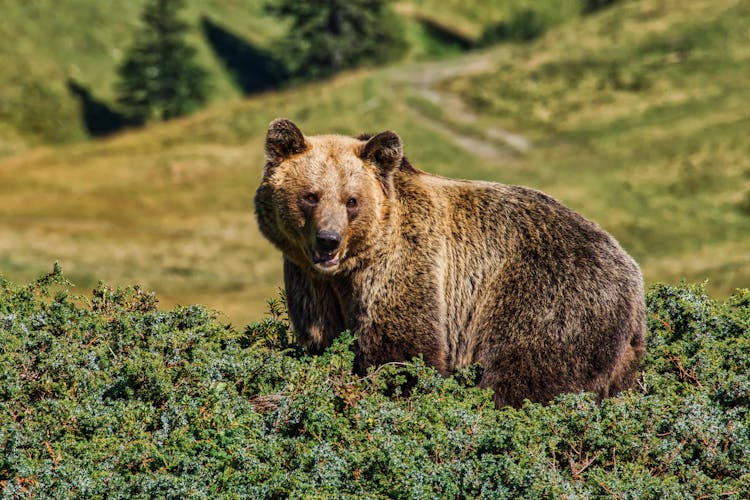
(494, 144)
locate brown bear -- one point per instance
(456, 271)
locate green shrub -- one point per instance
(110, 397)
(523, 26)
(525, 21)
(595, 5)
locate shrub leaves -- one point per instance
(111, 397)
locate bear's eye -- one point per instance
(311, 198)
(351, 203)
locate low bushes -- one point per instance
(107, 396)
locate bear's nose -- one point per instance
(328, 241)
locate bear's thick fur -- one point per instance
(457, 271)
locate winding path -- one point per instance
(495, 144)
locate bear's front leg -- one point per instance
(313, 309)
(398, 325)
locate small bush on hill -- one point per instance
(109, 397)
(595, 5)
(527, 21)
(523, 26)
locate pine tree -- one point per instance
(159, 77)
(327, 36)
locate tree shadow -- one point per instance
(444, 35)
(253, 69)
(98, 118)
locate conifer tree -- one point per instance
(327, 36)
(159, 77)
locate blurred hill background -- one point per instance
(635, 113)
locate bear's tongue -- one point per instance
(325, 258)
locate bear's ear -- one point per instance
(283, 140)
(384, 150)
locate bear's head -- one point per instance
(324, 199)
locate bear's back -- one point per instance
(527, 278)
(512, 222)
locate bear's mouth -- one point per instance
(325, 259)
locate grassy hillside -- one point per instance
(104, 396)
(640, 116)
(636, 116)
(55, 43)
(170, 208)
